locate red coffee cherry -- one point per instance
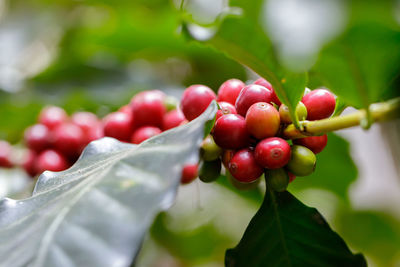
(230, 90)
(172, 119)
(5, 154)
(227, 155)
(244, 167)
(29, 162)
(69, 139)
(230, 132)
(262, 120)
(320, 104)
(272, 153)
(291, 177)
(144, 133)
(195, 100)
(252, 94)
(266, 84)
(148, 108)
(89, 124)
(125, 109)
(315, 143)
(52, 116)
(189, 173)
(51, 160)
(38, 137)
(226, 108)
(118, 125)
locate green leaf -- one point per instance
(285, 232)
(97, 212)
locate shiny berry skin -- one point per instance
(210, 171)
(301, 112)
(172, 119)
(272, 153)
(226, 108)
(243, 166)
(52, 116)
(148, 108)
(209, 149)
(251, 94)
(195, 100)
(89, 124)
(29, 162)
(267, 84)
(69, 139)
(302, 161)
(38, 137)
(277, 180)
(118, 125)
(189, 173)
(315, 143)
(230, 132)
(262, 120)
(51, 160)
(5, 154)
(144, 133)
(320, 104)
(230, 90)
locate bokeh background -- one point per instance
(95, 55)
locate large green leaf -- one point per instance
(96, 212)
(285, 232)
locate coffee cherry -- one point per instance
(170, 103)
(320, 104)
(272, 153)
(172, 119)
(230, 132)
(244, 167)
(262, 120)
(315, 143)
(118, 125)
(302, 161)
(242, 186)
(226, 108)
(51, 160)
(230, 90)
(284, 114)
(195, 100)
(29, 162)
(148, 108)
(89, 124)
(5, 154)
(52, 116)
(189, 173)
(252, 94)
(277, 180)
(226, 157)
(266, 84)
(125, 109)
(209, 149)
(210, 171)
(291, 177)
(38, 137)
(143, 133)
(69, 139)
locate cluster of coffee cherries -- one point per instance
(247, 135)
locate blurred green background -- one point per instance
(95, 55)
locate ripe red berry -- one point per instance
(230, 90)
(272, 153)
(267, 84)
(69, 139)
(118, 125)
(251, 94)
(89, 124)
(172, 119)
(125, 109)
(226, 108)
(227, 155)
(244, 167)
(51, 160)
(262, 120)
(144, 133)
(230, 132)
(52, 116)
(320, 104)
(148, 108)
(315, 143)
(195, 100)
(5, 154)
(189, 173)
(29, 162)
(38, 137)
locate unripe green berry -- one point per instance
(277, 179)
(242, 186)
(209, 149)
(170, 103)
(302, 161)
(210, 171)
(301, 112)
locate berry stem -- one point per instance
(379, 112)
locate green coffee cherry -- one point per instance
(242, 186)
(277, 179)
(210, 171)
(170, 103)
(301, 112)
(302, 161)
(209, 149)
